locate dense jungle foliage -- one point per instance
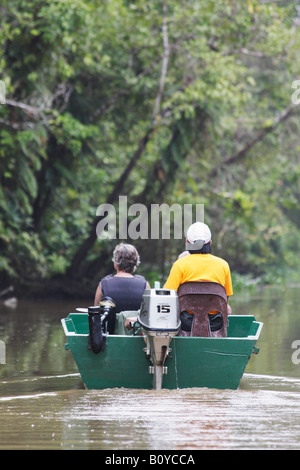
(191, 102)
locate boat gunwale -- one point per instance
(249, 337)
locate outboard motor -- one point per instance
(160, 320)
(102, 320)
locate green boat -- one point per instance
(154, 355)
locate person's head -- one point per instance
(198, 238)
(125, 258)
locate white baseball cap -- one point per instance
(198, 234)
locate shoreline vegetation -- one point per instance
(56, 289)
(178, 103)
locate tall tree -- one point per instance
(162, 101)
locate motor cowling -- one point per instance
(160, 310)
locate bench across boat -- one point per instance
(157, 357)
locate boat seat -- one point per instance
(201, 298)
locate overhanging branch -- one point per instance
(241, 154)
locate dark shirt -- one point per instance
(127, 292)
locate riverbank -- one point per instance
(62, 287)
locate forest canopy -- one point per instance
(163, 102)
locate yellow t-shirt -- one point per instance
(200, 267)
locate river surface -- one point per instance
(43, 404)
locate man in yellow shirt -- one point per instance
(200, 265)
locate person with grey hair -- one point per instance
(124, 287)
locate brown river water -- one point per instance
(43, 404)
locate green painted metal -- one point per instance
(193, 362)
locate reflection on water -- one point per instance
(43, 404)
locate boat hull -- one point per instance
(193, 362)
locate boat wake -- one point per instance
(269, 382)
